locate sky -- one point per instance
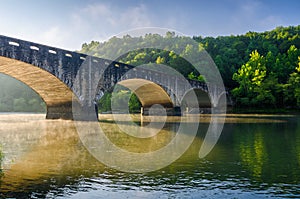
(68, 24)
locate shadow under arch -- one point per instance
(56, 95)
(148, 92)
(203, 103)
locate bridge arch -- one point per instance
(56, 94)
(148, 92)
(203, 100)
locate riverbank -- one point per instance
(229, 117)
(202, 118)
(263, 111)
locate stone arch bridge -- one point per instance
(58, 75)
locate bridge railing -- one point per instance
(17, 48)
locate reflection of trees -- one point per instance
(1, 158)
(298, 142)
(253, 153)
(269, 152)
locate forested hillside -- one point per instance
(261, 69)
(17, 97)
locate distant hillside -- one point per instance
(17, 97)
(228, 52)
(261, 68)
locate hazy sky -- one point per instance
(69, 23)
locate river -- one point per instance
(256, 156)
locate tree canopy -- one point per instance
(261, 69)
(17, 97)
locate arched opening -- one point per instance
(15, 96)
(202, 105)
(56, 95)
(222, 103)
(149, 93)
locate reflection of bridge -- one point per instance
(41, 156)
(57, 74)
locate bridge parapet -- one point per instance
(61, 63)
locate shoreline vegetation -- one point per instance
(261, 70)
(276, 111)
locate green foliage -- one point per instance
(104, 104)
(134, 104)
(261, 88)
(266, 78)
(17, 97)
(115, 46)
(292, 88)
(200, 78)
(231, 52)
(253, 90)
(160, 60)
(118, 99)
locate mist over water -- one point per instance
(257, 156)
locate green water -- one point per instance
(257, 156)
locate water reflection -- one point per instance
(42, 154)
(46, 159)
(252, 153)
(1, 159)
(269, 152)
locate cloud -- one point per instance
(111, 17)
(250, 8)
(98, 21)
(101, 20)
(270, 21)
(54, 35)
(96, 13)
(246, 12)
(136, 17)
(252, 15)
(97, 10)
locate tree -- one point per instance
(292, 88)
(19, 104)
(104, 103)
(200, 78)
(252, 89)
(160, 60)
(16, 96)
(134, 104)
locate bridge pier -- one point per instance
(171, 111)
(61, 111)
(65, 111)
